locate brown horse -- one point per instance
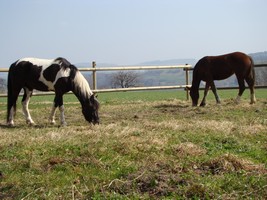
(212, 68)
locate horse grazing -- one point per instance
(49, 75)
(212, 68)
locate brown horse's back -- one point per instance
(223, 66)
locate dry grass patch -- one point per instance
(230, 163)
(189, 149)
(200, 125)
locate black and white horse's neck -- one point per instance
(81, 87)
(56, 75)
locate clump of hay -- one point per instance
(189, 149)
(231, 163)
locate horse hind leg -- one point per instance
(242, 88)
(25, 105)
(11, 110)
(214, 90)
(251, 83)
(252, 95)
(13, 94)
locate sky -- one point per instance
(128, 32)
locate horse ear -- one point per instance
(95, 95)
(93, 101)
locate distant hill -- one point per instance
(149, 63)
(170, 62)
(261, 73)
(260, 57)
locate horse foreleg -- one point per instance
(62, 116)
(214, 90)
(206, 91)
(25, 105)
(58, 102)
(52, 114)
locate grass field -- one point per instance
(149, 145)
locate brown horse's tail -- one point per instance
(252, 71)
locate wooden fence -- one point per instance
(94, 70)
(186, 68)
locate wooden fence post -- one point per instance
(187, 82)
(94, 75)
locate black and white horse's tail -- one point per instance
(10, 94)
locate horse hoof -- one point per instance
(31, 124)
(52, 122)
(202, 105)
(237, 102)
(10, 125)
(63, 124)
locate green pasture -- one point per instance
(157, 95)
(149, 145)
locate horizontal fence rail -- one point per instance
(187, 68)
(84, 69)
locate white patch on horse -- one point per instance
(37, 61)
(49, 84)
(62, 73)
(252, 98)
(238, 99)
(82, 83)
(11, 117)
(45, 63)
(25, 107)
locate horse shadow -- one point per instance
(19, 126)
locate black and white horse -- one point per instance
(49, 75)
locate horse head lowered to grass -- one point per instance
(212, 68)
(56, 75)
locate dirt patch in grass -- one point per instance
(156, 180)
(159, 180)
(5, 191)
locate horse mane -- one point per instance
(196, 79)
(80, 86)
(64, 63)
